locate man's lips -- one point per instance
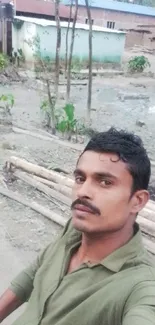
(82, 208)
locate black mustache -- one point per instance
(86, 204)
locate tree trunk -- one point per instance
(58, 45)
(52, 102)
(67, 34)
(71, 53)
(90, 64)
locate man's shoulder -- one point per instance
(145, 266)
(149, 261)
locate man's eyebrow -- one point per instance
(78, 172)
(96, 174)
(105, 174)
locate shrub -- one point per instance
(3, 61)
(138, 64)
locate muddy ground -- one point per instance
(124, 102)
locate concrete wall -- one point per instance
(141, 38)
(107, 46)
(23, 38)
(124, 21)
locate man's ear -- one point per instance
(139, 200)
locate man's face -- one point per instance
(102, 200)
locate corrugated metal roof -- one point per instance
(41, 7)
(118, 6)
(45, 22)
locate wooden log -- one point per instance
(43, 188)
(50, 137)
(58, 187)
(34, 206)
(148, 214)
(151, 205)
(147, 226)
(52, 216)
(39, 171)
(54, 139)
(34, 134)
(152, 163)
(149, 245)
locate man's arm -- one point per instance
(19, 290)
(142, 315)
(140, 307)
(21, 287)
(8, 303)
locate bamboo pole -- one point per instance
(147, 226)
(148, 214)
(51, 138)
(43, 188)
(38, 171)
(58, 187)
(149, 245)
(34, 206)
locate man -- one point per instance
(98, 271)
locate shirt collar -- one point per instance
(126, 254)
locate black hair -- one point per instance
(130, 149)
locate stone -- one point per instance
(140, 123)
(124, 97)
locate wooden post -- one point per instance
(4, 36)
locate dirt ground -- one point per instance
(124, 102)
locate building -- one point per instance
(44, 9)
(138, 21)
(41, 9)
(108, 44)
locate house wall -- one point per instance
(141, 38)
(107, 46)
(23, 38)
(123, 21)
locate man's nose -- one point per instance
(85, 190)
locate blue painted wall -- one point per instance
(107, 46)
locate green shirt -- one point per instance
(118, 290)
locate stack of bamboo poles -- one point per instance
(59, 187)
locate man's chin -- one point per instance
(80, 223)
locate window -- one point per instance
(111, 24)
(87, 21)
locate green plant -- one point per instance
(138, 64)
(45, 108)
(7, 102)
(76, 64)
(66, 121)
(3, 61)
(18, 57)
(42, 68)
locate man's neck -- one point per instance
(95, 248)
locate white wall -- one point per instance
(107, 46)
(23, 37)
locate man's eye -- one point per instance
(106, 182)
(79, 179)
